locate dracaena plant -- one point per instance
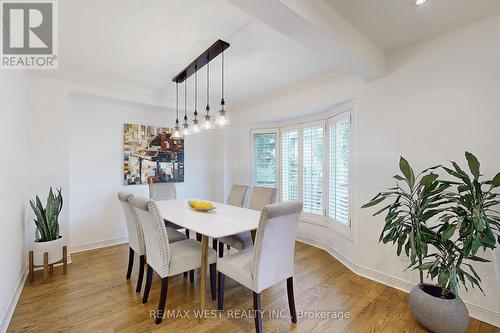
(470, 223)
(413, 202)
(47, 223)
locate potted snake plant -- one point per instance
(47, 237)
(453, 218)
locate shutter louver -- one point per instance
(339, 142)
(313, 169)
(290, 165)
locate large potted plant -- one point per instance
(413, 202)
(465, 220)
(48, 246)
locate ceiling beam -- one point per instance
(317, 26)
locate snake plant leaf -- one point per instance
(473, 164)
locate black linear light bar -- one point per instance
(204, 58)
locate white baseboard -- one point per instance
(97, 245)
(4, 325)
(475, 311)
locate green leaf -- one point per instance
(475, 258)
(443, 277)
(407, 171)
(496, 181)
(449, 231)
(428, 179)
(373, 202)
(473, 164)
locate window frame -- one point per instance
(341, 227)
(326, 118)
(275, 131)
(299, 164)
(314, 218)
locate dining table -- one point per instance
(224, 220)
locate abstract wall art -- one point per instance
(151, 155)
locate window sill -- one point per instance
(321, 221)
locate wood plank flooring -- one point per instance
(95, 297)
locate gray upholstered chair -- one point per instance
(164, 191)
(163, 256)
(271, 259)
(260, 197)
(136, 237)
(237, 195)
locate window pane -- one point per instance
(264, 159)
(313, 170)
(290, 166)
(339, 171)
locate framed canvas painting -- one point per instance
(151, 155)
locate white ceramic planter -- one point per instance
(53, 248)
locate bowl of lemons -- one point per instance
(201, 206)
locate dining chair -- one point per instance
(164, 191)
(136, 237)
(237, 195)
(167, 191)
(259, 198)
(167, 258)
(269, 262)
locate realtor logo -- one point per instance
(29, 34)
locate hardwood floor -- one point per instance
(95, 297)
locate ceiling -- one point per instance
(139, 46)
(394, 24)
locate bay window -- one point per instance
(311, 162)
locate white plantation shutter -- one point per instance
(339, 162)
(313, 137)
(290, 165)
(264, 159)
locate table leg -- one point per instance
(203, 273)
(253, 233)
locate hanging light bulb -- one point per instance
(185, 126)
(207, 124)
(222, 119)
(177, 132)
(196, 126)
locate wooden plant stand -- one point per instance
(46, 267)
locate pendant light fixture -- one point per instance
(222, 119)
(177, 132)
(196, 127)
(185, 126)
(207, 124)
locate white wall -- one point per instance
(96, 166)
(441, 98)
(75, 139)
(12, 191)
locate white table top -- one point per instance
(224, 220)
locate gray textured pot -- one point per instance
(437, 314)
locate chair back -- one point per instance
(155, 235)
(162, 191)
(275, 244)
(134, 228)
(237, 195)
(261, 197)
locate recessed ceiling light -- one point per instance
(420, 2)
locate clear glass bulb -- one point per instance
(196, 127)
(177, 133)
(207, 124)
(222, 119)
(185, 131)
